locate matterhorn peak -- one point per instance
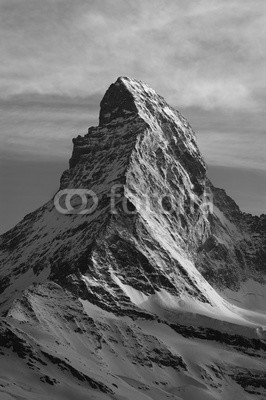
(129, 97)
(118, 102)
(138, 278)
(132, 115)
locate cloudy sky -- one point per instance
(206, 57)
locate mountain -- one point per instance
(139, 279)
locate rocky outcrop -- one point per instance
(235, 250)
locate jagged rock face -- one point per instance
(235, 250)
(150, 151)
(136, 279)
(162, 175)
(116, 103)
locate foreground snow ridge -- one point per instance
(149, 298)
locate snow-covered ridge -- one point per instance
(94, 295)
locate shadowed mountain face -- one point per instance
(154, 289)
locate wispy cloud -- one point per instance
(233, 138)
(195, 53)
(41, 127)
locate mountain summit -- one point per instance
(129, 280)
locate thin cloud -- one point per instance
(194, 53)
(233, 149)
(54, 102)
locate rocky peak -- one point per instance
(132, 106)
(127, 97)
(118, 102)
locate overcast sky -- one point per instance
(58, 57)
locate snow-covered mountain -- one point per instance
(157, 294)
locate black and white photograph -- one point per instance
(132, 200)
